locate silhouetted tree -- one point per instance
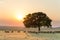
(37, 19)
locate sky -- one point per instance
(10, 8)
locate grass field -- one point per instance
(33, 36)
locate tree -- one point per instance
(37, 19)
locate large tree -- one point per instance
(37, 19)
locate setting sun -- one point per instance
(20, 16)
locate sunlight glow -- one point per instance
(20, 15)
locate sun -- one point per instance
(20, 16)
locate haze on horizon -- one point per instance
(9, 9)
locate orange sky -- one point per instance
(10, 8)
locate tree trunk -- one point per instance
(38, 29)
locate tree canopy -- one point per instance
(37, 19)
